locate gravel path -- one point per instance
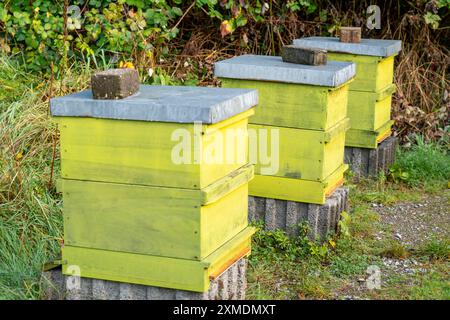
(413, 223)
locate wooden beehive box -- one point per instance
(307, 106)
(140, 208)
(369, 100)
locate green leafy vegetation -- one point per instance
(175, 43)
(422, 163)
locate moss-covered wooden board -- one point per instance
(302, 154)
(370, 111)
(182, 274)
(152, 153)
(171, 222)
(372, 73)
(295, 105)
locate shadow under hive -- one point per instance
(132, 214)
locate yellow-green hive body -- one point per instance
(151, 194)
(370, 95)
(300, 124)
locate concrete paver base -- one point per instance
(287, 215)
(231, 285)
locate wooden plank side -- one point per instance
(366, 112)
(368, 139)
(223, 219)
(226, 185)
(295, 189)
(148, 153)
(135, 152)
(151, 270)
(334, 153)
(230, 252)
(385, 73)
(131, 218)
(372, 73)
(337, 105)
(147, 270)
(224, 149)
(302, 153)
(287, 189)
(280, 104)
(382, 111)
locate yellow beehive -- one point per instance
(370, 95)
(304, 108)
(155, 186)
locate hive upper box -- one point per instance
(367, 47)
(160, 103)
(272, 68)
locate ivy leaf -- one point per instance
(432, 19)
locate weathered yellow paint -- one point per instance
(296, 189)
(306, 154)
(171, 222)
(150, 270)
(227, 184)
(366, 138)
(295, 105)
(139, 152)
(372, 73)
(369, 111)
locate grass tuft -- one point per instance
(423, 163)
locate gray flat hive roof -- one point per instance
(367, 47)
(272, 68)
(160, 103)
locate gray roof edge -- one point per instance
(235, 105)
(317, 77)
(348, 73)
(79, 106)
(391, 47)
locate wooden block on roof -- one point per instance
(114, 84)
(350, 34)
(301, 55)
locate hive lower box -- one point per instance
(365, 162)
(369, 110)
(182, 274)
(370, 117)
(288, 215)
(310, 164)
(167, 237)
(368, 138)
(169, 222)
(230, 285)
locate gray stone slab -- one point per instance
(114, 83)
(367, 47)
(272, 68)
(160, 103)
(300, 55)
(288, 215)
(366, 162)
(230, 285)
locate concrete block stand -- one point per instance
(287, 215)
(230, 285)
(371, 162)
